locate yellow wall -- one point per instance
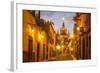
(39, 36)
(28, 20)
(30, 28)
(52, 46)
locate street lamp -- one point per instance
(78, 28)
(33, 30)
(41, 36)
(72, 36)
(62, 46)
(58, 47)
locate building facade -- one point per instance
(51, 42)
(39, 37)
(82, 31)
(34, 41)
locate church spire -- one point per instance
(63, 30)
(63, 25)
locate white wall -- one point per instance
(5, 35)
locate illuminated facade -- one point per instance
(52, 42)
(42, 43)
(82, 33)
(39, 38)
(63, 39)
(34, 39)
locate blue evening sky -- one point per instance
(57, 18)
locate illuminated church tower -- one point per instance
(63, 33)
(63, 30)
(63, 37)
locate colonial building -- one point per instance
(52, 42)
(28, 23)
(34, 41)
(82, 31)
(39, 37)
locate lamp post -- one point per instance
(33, 30)
(41, 36)
(78, 28)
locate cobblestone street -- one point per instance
(64, 57)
